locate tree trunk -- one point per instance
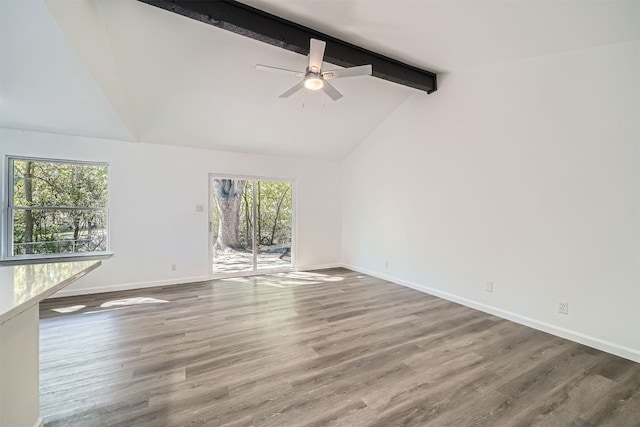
(248, 214)
(77, 180)
(76, 230)
(258, 216)
(275, 221)
(28, 214)
(228, 194)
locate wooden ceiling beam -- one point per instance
(265, 27)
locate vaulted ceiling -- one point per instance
(125, 70)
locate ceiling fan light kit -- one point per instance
(313, 81)
(314, 78)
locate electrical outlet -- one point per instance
(488, 286)
(199, 208)
(563, 307)
(174, 267)
(386, 264)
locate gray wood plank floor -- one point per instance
(326, 348)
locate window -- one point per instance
(56, 208)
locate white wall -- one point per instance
(526, 174)
(153, 193)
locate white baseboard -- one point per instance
(128, 286)
(609, 347)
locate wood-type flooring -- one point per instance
(324, 348)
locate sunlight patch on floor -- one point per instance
(108, 309)
(288, 279)
(132, 301)
(69, 309)
(309, 275)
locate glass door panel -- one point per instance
(273, 225)
(231, 225)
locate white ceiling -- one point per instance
(451, 35)
(125, 70)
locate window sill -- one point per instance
(44, 260)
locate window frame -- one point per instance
(8, 210)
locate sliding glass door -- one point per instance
(251, 225)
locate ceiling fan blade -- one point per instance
(278, 70)
(331, 91)
(361, 70)
(316, 53)
(293, 90)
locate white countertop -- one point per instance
(23, 286)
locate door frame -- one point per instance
(255, 271)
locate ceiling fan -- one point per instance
(314, 78)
